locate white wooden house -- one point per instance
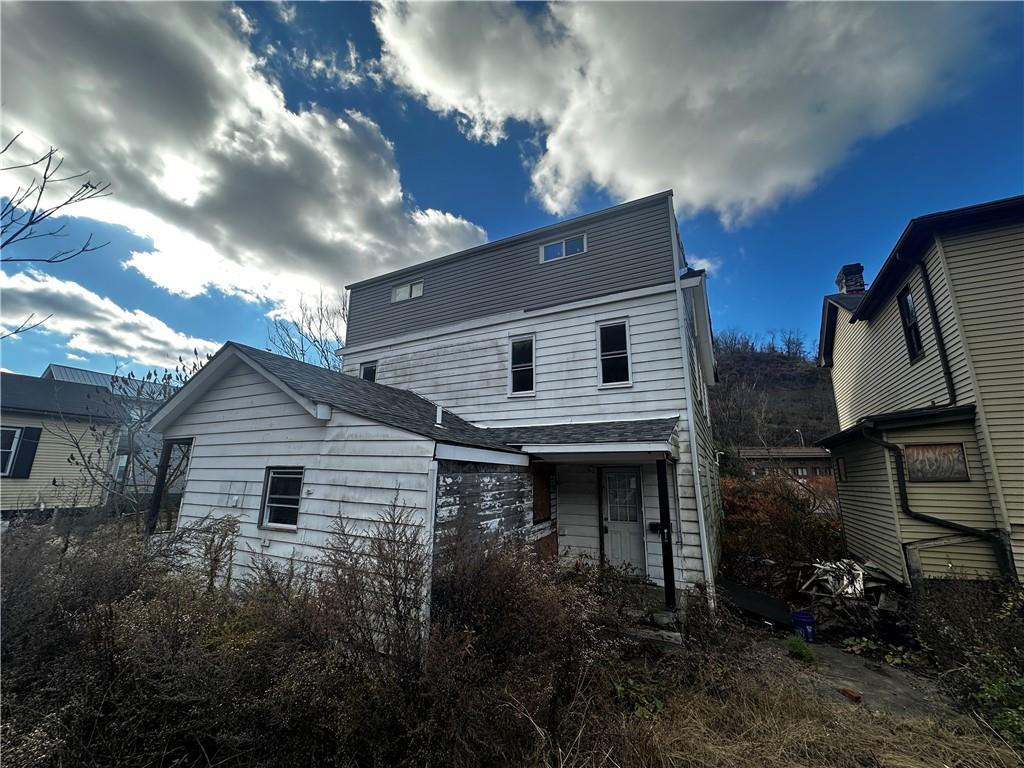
(571, 363)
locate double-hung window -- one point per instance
(407, 291)
(613, 351)
(911, 329)
(368, 371)
(9, 437)
(570, 246)
(282, 491)
(521, 364)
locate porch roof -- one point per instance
(641, 431)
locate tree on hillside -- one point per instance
(313, 334)
(25, 215)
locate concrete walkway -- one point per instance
(882, 687)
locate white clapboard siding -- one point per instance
(467, 370)
(354, 468)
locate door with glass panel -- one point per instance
(623, 519)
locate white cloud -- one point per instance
(734, 105)
(75, 358)
(238, 192)
(710, 264)
(286, 12)
(94, 324)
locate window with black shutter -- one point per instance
(911, 328)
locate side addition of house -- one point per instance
(928, 373)
(553, 382)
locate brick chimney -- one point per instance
(851, 278)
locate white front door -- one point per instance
(624, 525)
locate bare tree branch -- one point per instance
(26, 325)
(315, 334)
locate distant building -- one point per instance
(800, 463)
(928, 376)
(41, 421)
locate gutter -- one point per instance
(1003, 556)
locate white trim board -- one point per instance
(480, 455)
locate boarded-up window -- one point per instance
(936, 463)
(541, 493)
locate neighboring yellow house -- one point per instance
(928, 375)
(43, 423)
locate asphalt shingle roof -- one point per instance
(848, 301)
(641, 431)
(389, 405)
(49, 397)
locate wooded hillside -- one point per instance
(768, 389)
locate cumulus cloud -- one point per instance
(734, 105)
(709, 264)
(237, 191)
(94, 324)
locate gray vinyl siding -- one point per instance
(354, 468)
(627, 248)
(868, 502)
(872, 373)
(986, 268)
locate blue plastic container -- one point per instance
(803, 623)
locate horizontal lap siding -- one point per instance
(56, 437)
(967, 503)
(577, 490)
(868, 507)
(986, 267)
(962, 559)
(871, 371)
(467, 371)
(625, 250)
(354, 468)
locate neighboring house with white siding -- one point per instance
(928, 374)
(569, 366)
(42, 423)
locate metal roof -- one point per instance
(144, 389)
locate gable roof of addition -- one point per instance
(311, 385)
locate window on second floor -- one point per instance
(570, 246)
(911, 329)
(368, 371)
(8, 448)
(613, 352)
(407, 291)
(841, 468)
(521, 361)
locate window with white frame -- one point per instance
(613, 350)
(521, 363)
(368, 371)
(282, 492)
(9, 437)
(407, 291)
(558, 249)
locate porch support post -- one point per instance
(667, 560)
(153, 512)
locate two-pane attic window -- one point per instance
(570, 246)
(407, 291)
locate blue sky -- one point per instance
(258, 152)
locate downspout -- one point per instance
(940, 343)
(997, 541)
(684, 344)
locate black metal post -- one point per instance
(153, 512)
(667, 560)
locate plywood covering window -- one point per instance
(282, 492)
(521, 358)
(613, 352)
(8, 448)
(841, 468)
(911, 328)
(941, 463)
(368, 371)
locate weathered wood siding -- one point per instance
(467, 370)
(868, 501)
(986, 268)
(627, 248)
(73, 488)
(871, 370)
(354, 468)
(495, 497)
